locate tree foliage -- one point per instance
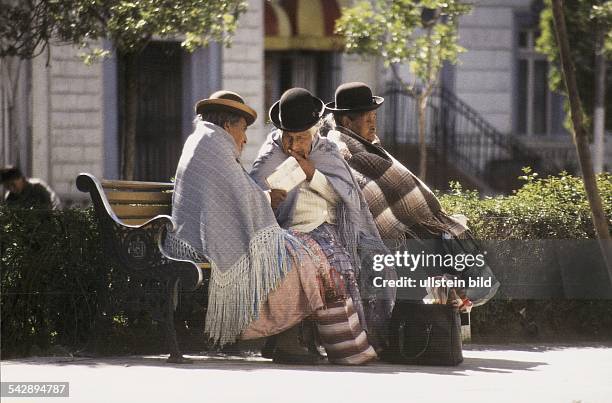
(603, 15)
(27, 27)
(422, 34)
(585, 20)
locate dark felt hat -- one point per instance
(226, 101)
(296, 111)
(354, 97)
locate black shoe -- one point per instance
(289, 349)
(267, 351)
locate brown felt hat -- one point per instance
(226, 101)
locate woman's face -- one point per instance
(238, 132)
(298, 142)
(364, 125)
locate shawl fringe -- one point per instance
(236, 295)
(221, 214)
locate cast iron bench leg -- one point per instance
(175, 354)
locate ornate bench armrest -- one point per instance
(190, 272)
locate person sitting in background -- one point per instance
(327, 206)
(402, 205)
(27, 193)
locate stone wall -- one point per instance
(67, 135)
(243, 72)
(484, 74)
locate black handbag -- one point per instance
(424, 334)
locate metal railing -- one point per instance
(455, 131)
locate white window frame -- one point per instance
(531, 56)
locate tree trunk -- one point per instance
(599, 105)
(422, 119)
(128, 136)
(581, 140)
(9, 73)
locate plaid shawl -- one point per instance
(224, 217)
(402, 205)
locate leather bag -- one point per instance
(424, 334)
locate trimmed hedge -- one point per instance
(58, 288)
(551, 208)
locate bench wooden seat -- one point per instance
(133, 217)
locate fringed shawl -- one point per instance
(402, 205)
(223, 216)
(355, 224)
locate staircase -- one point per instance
(440, 171)
(462, 145)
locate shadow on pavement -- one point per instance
(543, 347)
(235, 363)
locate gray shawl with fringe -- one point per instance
(355, 223)
(222, 215)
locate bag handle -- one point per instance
(400, 331)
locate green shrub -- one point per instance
(58, 288)
(551, 208)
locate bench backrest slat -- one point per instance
(133, 185)
(125, 197)
(124, 211)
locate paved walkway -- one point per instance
(510, 373)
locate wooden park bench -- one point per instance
(133, 217)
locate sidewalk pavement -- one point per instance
(490, 373)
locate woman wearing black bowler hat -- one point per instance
(328, 205)
(402, 205)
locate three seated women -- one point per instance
(264, 279)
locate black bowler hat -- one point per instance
(226, 101)
(354, 97)
(296, 111)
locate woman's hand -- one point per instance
(277, 196)
(306, 164)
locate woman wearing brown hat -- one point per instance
(328, 205)
(262, 279)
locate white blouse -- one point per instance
(315, 204)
